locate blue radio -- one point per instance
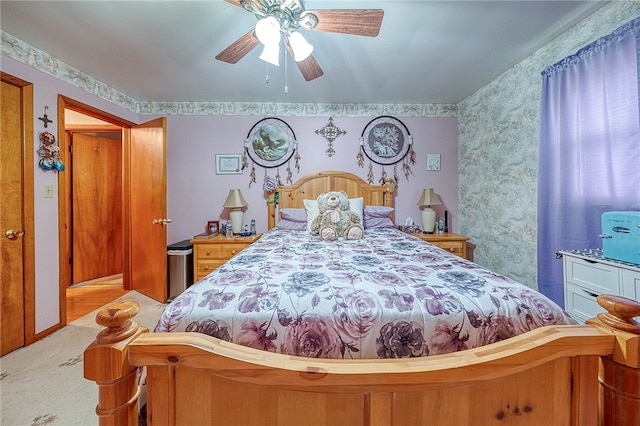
(621, 236)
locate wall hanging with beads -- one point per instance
(386, 141)
(49, 153)
(270, 144)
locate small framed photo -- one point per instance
(213, 227)
(228, 164)
(433, 162)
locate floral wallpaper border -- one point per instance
(23, 52)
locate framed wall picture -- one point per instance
(213, 227)
(385, 140)
(228, 164)
(270, 143)
(433, 162)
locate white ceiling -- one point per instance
(426, 52)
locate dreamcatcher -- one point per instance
(270, 144)
(386, 141)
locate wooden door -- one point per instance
(96, 215)
(17, 277)
(147, 209)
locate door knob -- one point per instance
(14, 235)
(161, 221)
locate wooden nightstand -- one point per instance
(210, 254)
(455, 243)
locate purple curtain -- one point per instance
(589, 154)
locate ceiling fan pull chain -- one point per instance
(286, 74)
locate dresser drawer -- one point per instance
(593, 276)
(581, 303)
(631, 284)
(219, 251)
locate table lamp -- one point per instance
(235, 202)
(428, 199)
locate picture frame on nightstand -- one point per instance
(213, 227)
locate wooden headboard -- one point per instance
(310, 186)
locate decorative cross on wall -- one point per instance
(330, 132)
(45, 119)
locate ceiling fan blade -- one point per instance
(364, 22)
(310, 68)
(239, 3)
(234, 2)
(239, 48)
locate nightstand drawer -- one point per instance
(219, 251)
(593, 276)
(212, 253)
(205, 267)
(453, 243)
(455, 247)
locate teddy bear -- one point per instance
(335, 219)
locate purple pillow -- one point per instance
(294, 215)
(289, 225)
(378, 222)
(378, 211)
(378, 217)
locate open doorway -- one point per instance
(94, 189)
(143, 210)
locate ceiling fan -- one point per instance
(277, 17)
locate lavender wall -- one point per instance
(196, 194)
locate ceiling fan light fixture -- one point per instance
(300, 46)
(308, 20)
(268, 30)
(271, 54)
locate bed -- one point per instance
(380, 367)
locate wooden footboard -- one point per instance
(547, 376)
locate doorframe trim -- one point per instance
(28, 208)
(64, 246)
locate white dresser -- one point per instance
(587, 274)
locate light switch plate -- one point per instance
(47, 191)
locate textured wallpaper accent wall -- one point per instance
(498, 151)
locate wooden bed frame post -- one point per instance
(619, 375)
(106, 363)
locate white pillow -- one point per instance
(312, 210)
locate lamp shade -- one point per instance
(235, 200)
(300, 46)
(271, 54)
(268, 31)
(429, 198)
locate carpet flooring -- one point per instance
(43, 383)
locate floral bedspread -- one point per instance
(389, 295)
